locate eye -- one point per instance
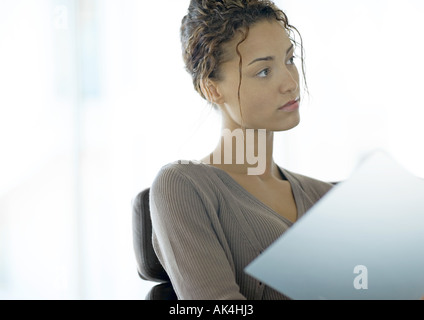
(291, 60)
(264, 73)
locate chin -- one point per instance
(276, 126)
(287, 125)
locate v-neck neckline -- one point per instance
(296, 191)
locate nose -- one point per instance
(289, 81)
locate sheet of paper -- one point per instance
(363, 240)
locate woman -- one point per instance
(212, 218)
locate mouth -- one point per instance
(291, 105)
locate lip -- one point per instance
(290, 106)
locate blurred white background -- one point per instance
(94, 99)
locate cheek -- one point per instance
(259, 96)
(256, 100)
(257, 106)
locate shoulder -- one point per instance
(315, 188)
(183, 189)
(189, 171)
(183, 176)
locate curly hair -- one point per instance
(211, 23)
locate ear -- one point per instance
(211, 91)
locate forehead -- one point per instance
(265, 38)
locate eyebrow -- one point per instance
(270, 58)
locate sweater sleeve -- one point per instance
(186, 241)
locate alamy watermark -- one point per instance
(244, 150)
(361, 280)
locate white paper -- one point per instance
(363, 240)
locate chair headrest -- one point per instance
(148, 265)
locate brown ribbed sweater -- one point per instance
(207, 228)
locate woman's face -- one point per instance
(270, 80)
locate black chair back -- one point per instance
(148, 266)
